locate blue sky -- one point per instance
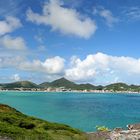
(92, 41)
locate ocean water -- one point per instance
(83, 111)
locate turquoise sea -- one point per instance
(80, 110)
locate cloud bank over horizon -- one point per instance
(96, 68)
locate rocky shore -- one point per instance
(133, 133)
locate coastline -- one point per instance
(76, 92)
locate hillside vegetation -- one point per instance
(62, 82)
(17, 126)
(20, 84)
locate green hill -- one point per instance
(23, 84)
(44, 85)
(63, 82)
(85, 86)
(17, 126)
(117, 87)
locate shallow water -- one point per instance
(83, 111)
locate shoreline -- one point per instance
(86, 92)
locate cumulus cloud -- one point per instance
(107, 15)
(96, 68)
(53, 65)
(65, 20)
(103, 68)
(15, 77)
(8, 42)
(88, 68)
(109, 18)
(9, 24)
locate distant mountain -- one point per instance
(134, 88)
(117, 87)
(63, 82)
(86, 86)
(23, 84)
(44, 85)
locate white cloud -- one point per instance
(15, 77)
(53, 65)
(104, 69)
(9, 24)
(106, 14)
(9, 42)
(86, 69)
(65, 20)
(96, 68)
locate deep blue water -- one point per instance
(83, 111)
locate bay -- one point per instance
(80, 110)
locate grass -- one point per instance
(17, 126)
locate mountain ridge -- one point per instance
(65, 83)
(19, 84)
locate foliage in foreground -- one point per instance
(18, 126)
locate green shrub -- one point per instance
(26, 125)
(102, 128)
